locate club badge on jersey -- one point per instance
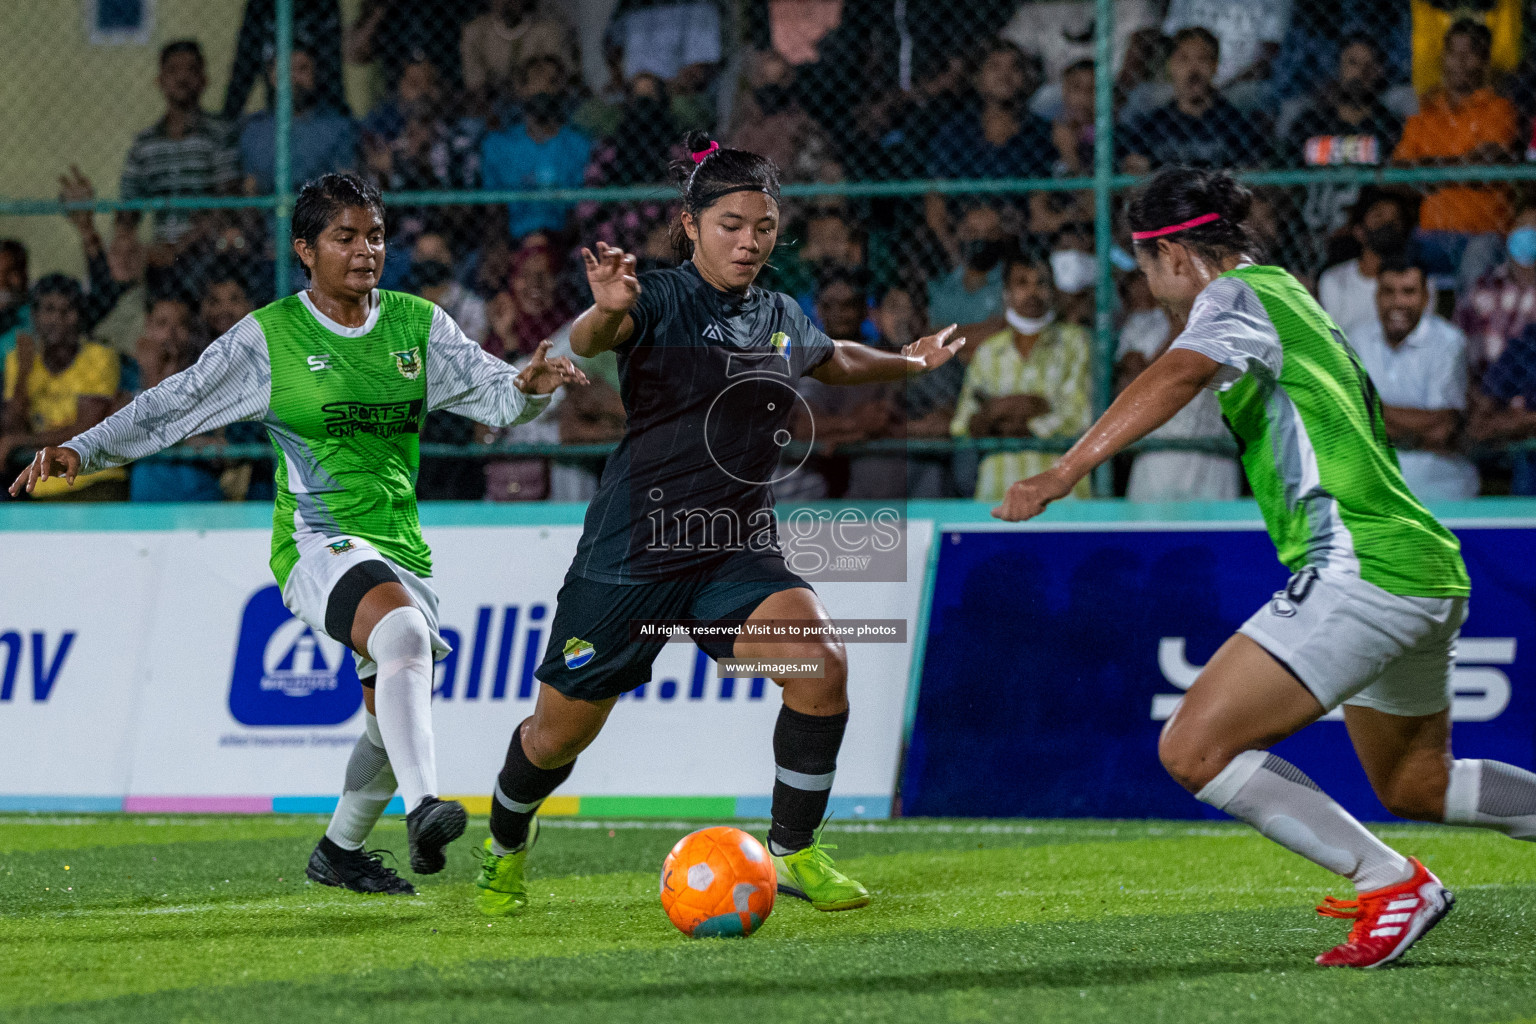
(408, 363)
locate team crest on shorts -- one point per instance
(578, 652)
(408, 363)
(340, 547)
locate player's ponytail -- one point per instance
(711, 172)
(1204, 210)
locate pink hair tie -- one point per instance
(1204, 218)
(698, 157)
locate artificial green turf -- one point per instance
(188, 918)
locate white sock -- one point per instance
(1492, 794)
(1277, 798)
(368, 788)
(401, 644)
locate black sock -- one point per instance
(805, 751)
(520, 788)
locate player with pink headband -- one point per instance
(1371, 617)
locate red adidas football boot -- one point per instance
(1387, 921)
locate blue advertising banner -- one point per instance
(1054, 656)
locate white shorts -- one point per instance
(323, 561)
(1350, 642)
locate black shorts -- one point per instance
(591, 654)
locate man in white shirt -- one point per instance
(1418, 362)
(1348, 291)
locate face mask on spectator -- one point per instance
(772, 98)
(1074, 271)
(981, 254)
(1521, 244)
(1029, 325)
(431, 273)
(543, 106)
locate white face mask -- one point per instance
(1074, 271)
(1029, 325)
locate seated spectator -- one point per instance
(1346, 124)
(1504, 407)
(1465, 122)
(1347, 292)
(225, 300)
(846, 415)
(827, 243)
(1001, 138)
(188, 152)
(1171, 475)
(1072, 136)
(1075, 272)
(1503, 303)
(508, 35)
(56, 385)
(322, 140)
(1432, 20)
(15, 311)
(638, 152)
(1198, 128)
(770, 120)
(972, 294)
(543, 151)
(1030, 380)
(530, 308)
(927, 402)
(1418, 364)
(431, 277)
(171, 342)
(1248, 36)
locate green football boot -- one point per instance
(810, 875)
(502, 889)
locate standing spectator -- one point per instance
(396, 32)
(1347, 292)
(15, 312)
(57, 384)
(541, 152)
(771, 121)
(188, 152)
(322, 141)
(170, 344)
(1028, 381)
(1346, 124)
(1503, 302)
(1171, 475)
(1248, 35)
(508, 35)
(1198, 128)
(1418, 364)
(432, 278)
(972, 294)
(1465, 122)
(529, 309)
(316, 22)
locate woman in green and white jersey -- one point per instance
(1371, 617)
(342, 375)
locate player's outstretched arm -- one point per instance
(231, 380)
(853, 362)
(1168, 385)
(463, 377)
(606, 324)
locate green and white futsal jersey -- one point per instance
(1313, 441)
(343, 407)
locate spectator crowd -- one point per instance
(1434, 285)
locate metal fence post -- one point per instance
(282, 163)
(1103, 224)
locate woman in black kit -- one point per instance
(683, 525)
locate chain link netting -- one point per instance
(940, 158)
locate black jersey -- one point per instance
(708, 382)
